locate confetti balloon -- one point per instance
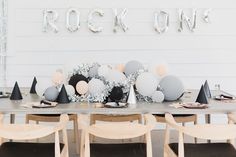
(172, 87)
(75, 79)
(146, 84)
(82, 87)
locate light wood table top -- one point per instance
(215, 107)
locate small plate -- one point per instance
(116, 105)
(195, 105)
(4, 96)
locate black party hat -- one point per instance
(32, 89)
(207, 89)
(63, 97)
(16, 94)
(202, 97)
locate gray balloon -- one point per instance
(172, 87)
(132, 66)
(51, 93)
(93, 71)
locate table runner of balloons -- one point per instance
(102, 83)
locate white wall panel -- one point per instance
(208, 53)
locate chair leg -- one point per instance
(26, 119)
(195, 139)
(82, 143)
(76, 135)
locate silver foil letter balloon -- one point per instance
(49, 20)
(161, 21)
(119, 20)
(92, 27)
(191, 23)
(69, 26)
(206, 17)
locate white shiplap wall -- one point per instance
(208, 53)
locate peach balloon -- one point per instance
(57, 78)
(82, 87)
(120, 68)
(162, 69)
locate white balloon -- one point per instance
(158, 96)
(116, 76)
(146, 84)
(96, 86)
(104, 70)
(70, 90)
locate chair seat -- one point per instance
(118, 150)
(175, 115)
(206, 150)
(18, 149)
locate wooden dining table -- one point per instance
(8, 106)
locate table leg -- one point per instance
(208, 121)
(12, 120)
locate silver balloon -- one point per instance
(160, 17)
(146, 84)
(158, 97)
(91, 25)
(172, 87)
(206, 17)
(119, 20)
(132, 66)
(183, 18)
(69, 26)
(51, 93)
(49, 20)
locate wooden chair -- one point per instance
(114, 118)
(114, 130)
(179, 119)
(27, 132)
(204, 131)
(55, 118)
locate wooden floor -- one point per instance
(157, 142)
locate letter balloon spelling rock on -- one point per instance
(50, 18)
(172, 87)
(92, 27)
(119, 20)
(161, 22)
(183, 18)
(69, 26)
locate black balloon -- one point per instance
(116, 94)
(75, 79)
